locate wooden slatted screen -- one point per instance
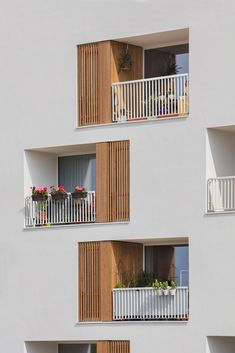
(89, 281)
(113, 347)
(113, 185)
(88, 84)
(118, 347)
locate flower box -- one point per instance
(39, 197)
(79, 195)
(58, 197)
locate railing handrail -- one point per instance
(148, 79)
(144, 288)
(221, 178)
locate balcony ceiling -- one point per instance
(160, 39)
(69, 149)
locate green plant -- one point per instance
(157, 284)
(133, 282)
(164, 285)
(173, 285)
(124, 60)
(172, 69)
(120, 285)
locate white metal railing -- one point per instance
(67, 211)
(150, 98)
(221, 194)
(146, 303)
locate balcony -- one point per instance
(151, 98)
(122, 282)
(147, 304)
(60, 212)
(221, 194)
(148, 77)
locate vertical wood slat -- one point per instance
(88, 84)
(113, 347)
(89, 281)
(118, 347)
(113, 172)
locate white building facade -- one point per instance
(155, 152)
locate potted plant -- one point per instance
(39, 194)
(79, 192)
(173, 288)
(125, 62)
(158, 286)
(58, 193)
(120, 285)
(165, 288)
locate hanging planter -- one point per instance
(173, 288)
(39, 194)
(39, 197)
(125, 61)
(58, 194)
(58, 197)
(79, 193)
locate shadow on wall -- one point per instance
(41, 347)
(220, 153)
(220, 345)
(54, 347)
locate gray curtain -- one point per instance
(77, 170)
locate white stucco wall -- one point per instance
(38, 295)
(220, 153)
(40, 169)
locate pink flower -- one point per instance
(44, 189)
(52, 186)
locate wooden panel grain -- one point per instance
(102, 182)
(113, 347)
(127, 261)
(106, 271)
(87, 69)
(89, 281)
(118, 346)
(136, 52)
(104, 75)
(112, 181)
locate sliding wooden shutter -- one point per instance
(113, 347)
(89, 281)
(113, 172)
(88, 84)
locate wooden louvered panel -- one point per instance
(88, 84)
(113, 347)
(118, 347)
(119, 181)
(113, 167)
(89, 281)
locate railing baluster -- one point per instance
(221, 194)
(149, 98)
(145, 303)
(66, 211)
